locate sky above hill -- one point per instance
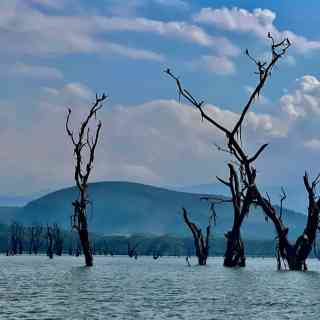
(58, 53)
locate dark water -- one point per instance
(124, 288)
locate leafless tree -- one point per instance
(84, 151)
(241, 182)
(50, 241)
(17, 232)
(132, 249)
(201, 243)
(57, 240)
(293, 256)
(36, 237)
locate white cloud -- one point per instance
(236, 19)
(50, 91)
(158, 142)
(35, 71)
(313, 144)
(215, 64)
(300, 108)
(28, 31)
(304, 101)
(78, 90)
(136, 54)
(172, 29)
(258, 22)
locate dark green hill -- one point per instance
(126, 208)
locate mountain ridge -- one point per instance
(129, 207)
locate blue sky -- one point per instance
(58, 53)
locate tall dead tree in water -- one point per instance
(201, 243)
(243, 189)
(84, 151)
(293, 255)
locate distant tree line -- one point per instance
(17, 239)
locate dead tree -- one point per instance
(132, 250)
(31, 239)
(13, 239)
(57, 240)
(201, 243)
(35, 242)
(244, 191)
(50, 241)
(289, 255)
(84, 151)
(16, 238)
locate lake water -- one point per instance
(124, 288)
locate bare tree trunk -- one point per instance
(234, 255)
(201, 244)
(85, 243)
(50, 242)
(37, 238)
(58, 240)
(17, 232)
(132, 250)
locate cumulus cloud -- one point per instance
(301, 113)
(158, 142)
(304, 101)
(258, 22)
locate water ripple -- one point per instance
(123, 288)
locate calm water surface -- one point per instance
(124, 288)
